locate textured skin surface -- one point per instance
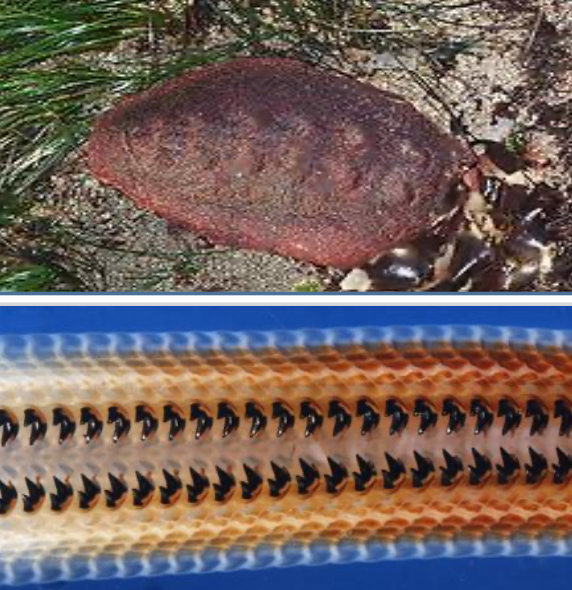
(73, 372)
(272, 154)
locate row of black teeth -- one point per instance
(202, 418)
(305, 482)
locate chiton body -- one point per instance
(125, 455)
(274, 154)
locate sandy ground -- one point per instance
(518, 75)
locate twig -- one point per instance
(532, 38)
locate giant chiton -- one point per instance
(274, 154)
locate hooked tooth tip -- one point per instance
(61, 499)
(427, 414)
(203, 418)
(364, 479)
(10, 426)
(146, 415)
(177, 423)
(35, 497)
(484, 415)
(341, 415)
(171, 491)
(117, 495)
(394, 473)
(63, 418)
(309, 481)
(38, 424)
(540, 417)
(422, 474)
(252, 487)
(89, 496)
(143, 493)
(508, 410)
(563, 468)
(452, 470)
(255, 412)
(224, 489)
(536, 470)
(228, 414)
(336, 482)
(399, 416)
(119, 417)
(370, 413)
(480, 470)
(91, 417)
(311, 412)
(8, 497)
(456, 415)
(199, 488)
(563, 411)
(285, 416)
(280, 483)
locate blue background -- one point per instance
(443, 574)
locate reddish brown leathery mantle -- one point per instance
(273, 154)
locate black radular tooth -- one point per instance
(480, 471)
(38, 423)
(146, 415)
(539, 416)
(118, 416)
(421, 474)
(341, 415)
(285, 417)
(8, 497)
(280, 483)
(176, 418)
(89, 496)
(484, 415)
(562, 410)
(338, 479)
(198, 490)
(536, 470)
(92, 418)
(63, 418)
(309, 480)
(252, 487)
(509, 468)
(255, 413)
(117, 494)
(427, 415)
(143, 493)
(511, 413)
(453, 468)
(365, 477)
(395, 472)
(63, 496)
(203, 418)
(224, 489)
(231, 420)
(456, 415)
(563, 468)
(399, 416)
(370, 413)
(10, 426)
(34, 499)
(313, 416)
(171, 491)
